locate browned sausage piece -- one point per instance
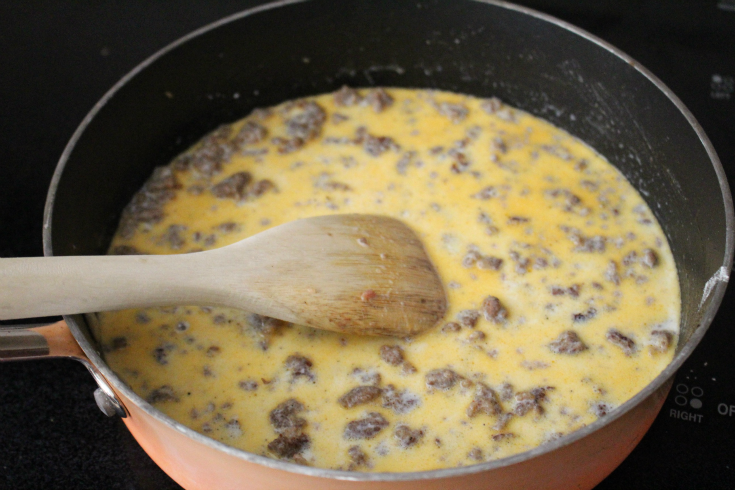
(584, 316)
(530, 400)
(649, 258)
(442, 379)
(661, 340)
(471, 258)
(287, 145)
(455, 112)
(233, 187)
(611, 273)
(161, 353)
(486, 193)
(208, 157)
(250, 133)
(493, 310)
(408, 437)
(377, 145)
(378, 99)
(261, 187)
(163, 394)
(359, 396)
(367, 427)
(506, 392)
(491, 105)
(567, 343)
(288, 446)
(617, 338)
(347, 96)
(486, 401)
(451, 327)
(502, 421)
(284, 417)
(117, 343)
(630, 258)
(248, 385)
(601, 409)
(468, 318)
(489, 263)
(299, 365)
(307, 121)
(399, 401)
(174, 236)
(476, 454)
(392, 354)
(358, 457)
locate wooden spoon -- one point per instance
(349, 273)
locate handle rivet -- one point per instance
(106, 404)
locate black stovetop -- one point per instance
(58, 58)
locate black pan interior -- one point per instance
(466, 46)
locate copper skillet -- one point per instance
(289, 49)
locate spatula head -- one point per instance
(352, 273)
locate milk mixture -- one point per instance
(563, 294)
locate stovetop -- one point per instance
(58, 58)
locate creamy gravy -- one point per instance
(563, 293)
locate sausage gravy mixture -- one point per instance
(563, 293)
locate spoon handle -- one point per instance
(45, 286)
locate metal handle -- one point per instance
(28, 342)
(19, 344)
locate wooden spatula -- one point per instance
(350, 273)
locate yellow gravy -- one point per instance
(563, 293)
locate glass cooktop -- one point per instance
(58, 58)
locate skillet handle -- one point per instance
(33, 342)
(22, 343)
